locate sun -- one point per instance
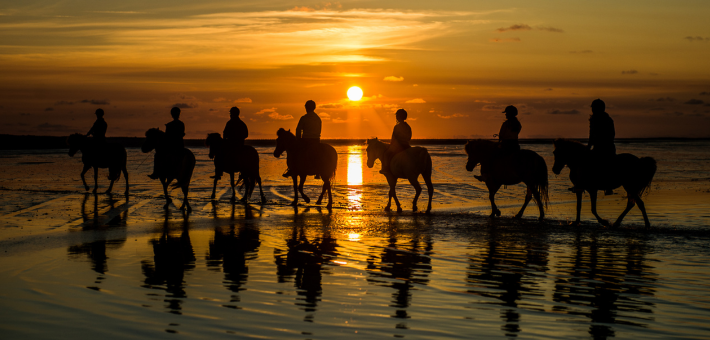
(354, 93)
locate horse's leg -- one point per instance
(214, 188)
(300, 189)
(430, 190)
(322, 192)
(96, 179)
(110, 186)
(536, 194)
(593, 199)
(165, 183)
(295, 191)
(630, 202)
(393, 193)
(231, 185)
(125, 175)
(579, 194)
(330, 194)
(642, 207)
(528, 197)
(83, 180)
(185, 203)
(417, 190)
(492, 189)
(263, 198)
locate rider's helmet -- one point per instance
(234, 111)
(99, 113)
(598, 106)
(401, 115)
(175, 112)
(511, 110)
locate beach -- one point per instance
(82, 265)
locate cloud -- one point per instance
(550, 29)
(505, 40)
(630, 72)
(324, 115)
(561, 112)
(95, 101)
(498, 108)
(243, 100)
(393, 78)
(415, 85)
(331, 106)
(666, 99)
(673, 114)
(275, 115)
(64, 102)
(694, 102)
(705, 93)
(49, 109)
(697, 39)
(184, 106)
(416, 101)
(581, 52)
(219, 100)
(262, 111)
(455, 115)
(521, 27)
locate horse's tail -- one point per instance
(539, 173)
(646, 171)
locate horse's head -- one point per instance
(284, 141)
(213, 141)
(375, 150)
(75, 142)
(565, 150)
(152, 138)
(479, 150)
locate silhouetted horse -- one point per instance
(246, 163)
(523, 166)
(111, 156)
(328, 159)
(169, 169)
(408, 164)
(633, 173)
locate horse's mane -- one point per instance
(476, 142)
(374, 141)
(154, 133)
(568, 143)
(285, 133)
(212, 138)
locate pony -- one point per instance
(633, 173)
(246, 163)
(408, 164)
(524, 166)
(328, 162)
(166, 170)
(112, 156)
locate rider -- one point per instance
(174, 133)
(601, 136)
(308, 133)
(507, 136)
(235, 132)
(401, 135)
(98, 130)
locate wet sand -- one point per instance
(82, 265)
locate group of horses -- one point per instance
(525, 166)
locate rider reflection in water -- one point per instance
(308, 133)
(234, 134)
(401, 135)
(507, 137)
(98, 130)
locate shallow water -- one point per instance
(75, 265)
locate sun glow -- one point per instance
(354, 93)
(354, 177)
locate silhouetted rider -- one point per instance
(174, 134)
(401, 135)
(234, 134)
(98, 130)
(507, 136)
(601, 137)
(308, 133)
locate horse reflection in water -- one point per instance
(402, 265)
(505, 271)
(306, 258)
(524, 166)
(174, 257)
(633, 173)
(112, 156)
(408, 164)
(231, 249)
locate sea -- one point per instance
(74, 264)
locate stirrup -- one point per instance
(287, 173)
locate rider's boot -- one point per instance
(287, 174)
(481, 177)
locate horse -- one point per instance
(112, 156)
(247, 166)
(325, 168)
(633, 173)
(408, 164)
(166, 170)
(524, 166)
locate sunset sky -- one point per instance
(453, 65)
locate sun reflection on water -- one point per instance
(354, 177)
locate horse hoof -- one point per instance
(605, 223)
(574, 224)
(414, 209)
(492, 215)
(399, 209)
(306, 199)
(318, 202)
(541, 218)
(166, 206)
(388, 209)
(329, 206)
(428, 211)
(263, 200)
(212, 197)
(294, 203)
(86, 188)
(517, 217)
(189, 209)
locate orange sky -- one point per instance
(453, 65)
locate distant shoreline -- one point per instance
(30, 142)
